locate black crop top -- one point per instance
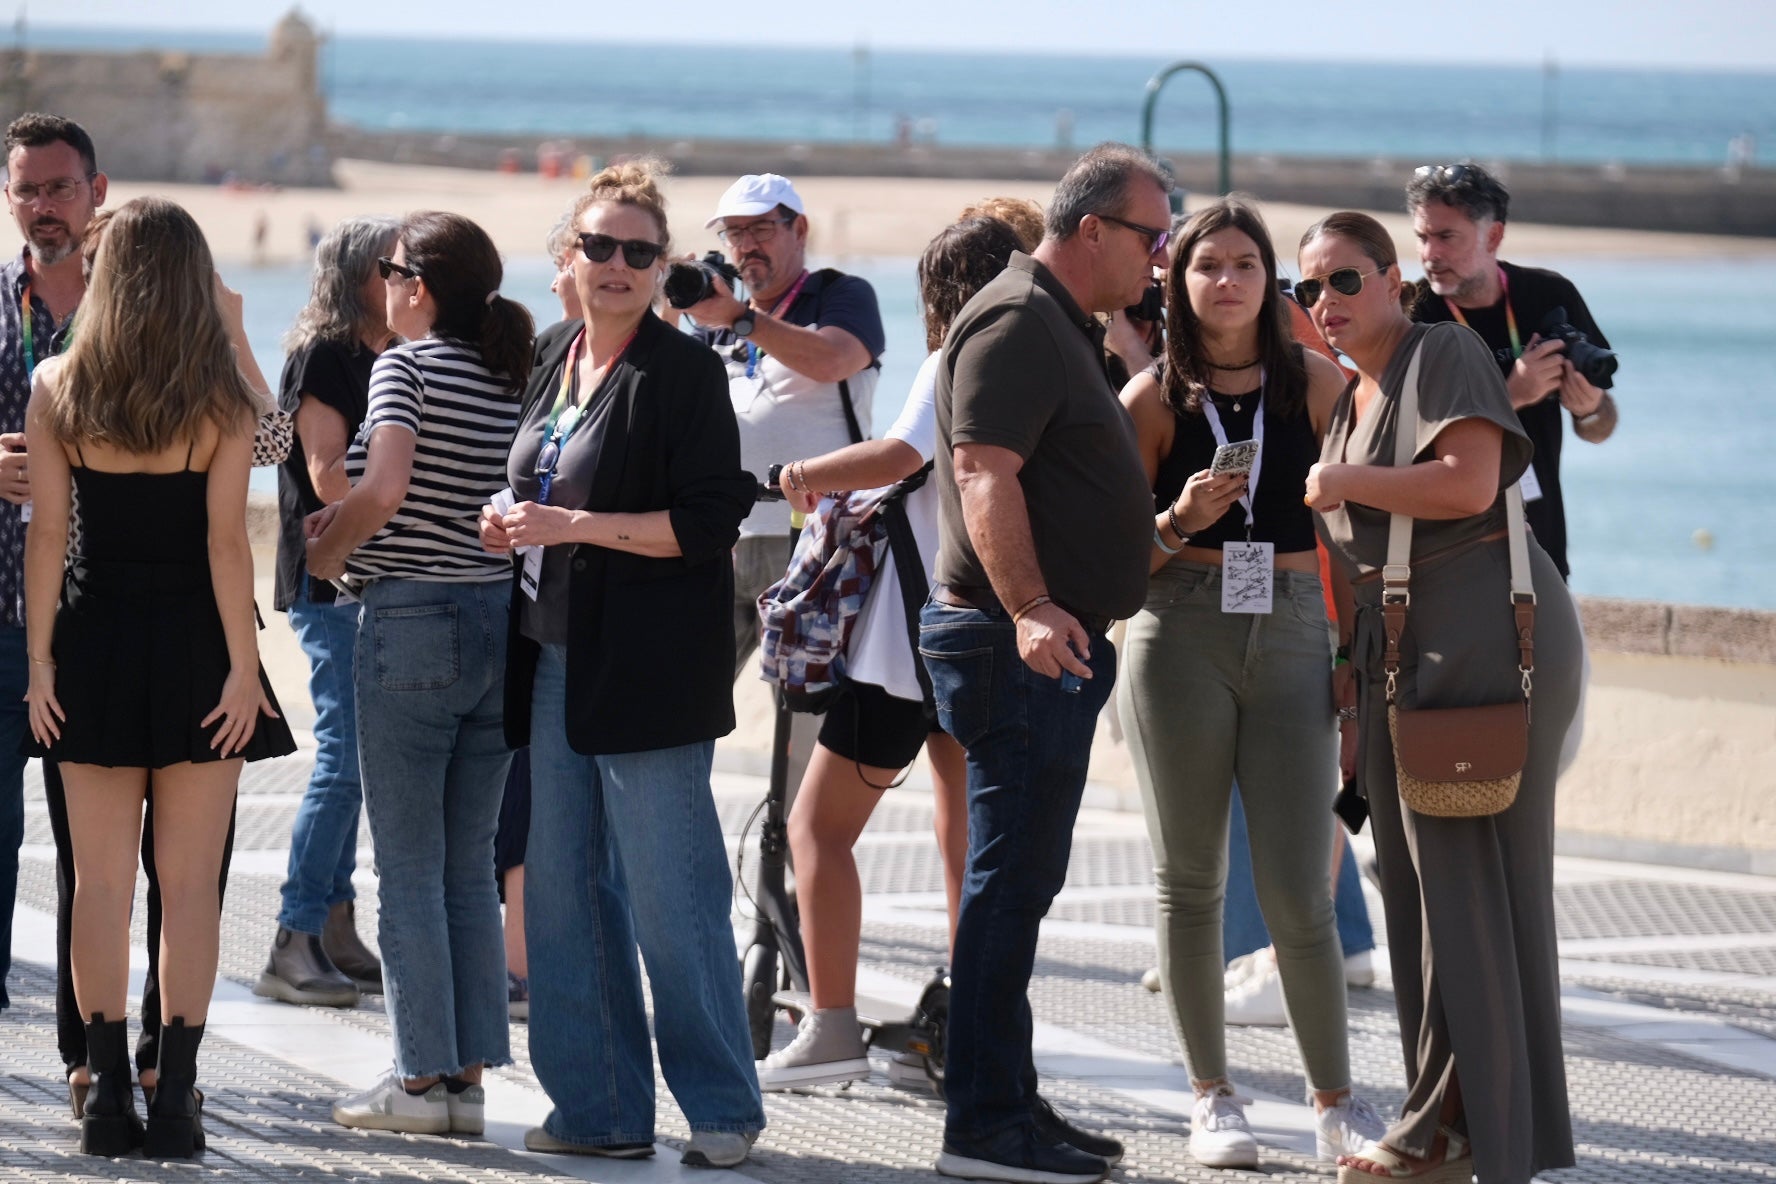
(1290, 449)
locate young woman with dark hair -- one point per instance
(1218, 690)
(430, 673)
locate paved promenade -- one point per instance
(1670, 988)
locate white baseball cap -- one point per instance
(755, 194)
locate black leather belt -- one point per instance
(984, 600)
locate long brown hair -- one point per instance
(1187, 376)
(151, 362)
(960, 261)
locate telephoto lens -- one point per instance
(692, 281)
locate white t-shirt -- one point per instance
(881, 652)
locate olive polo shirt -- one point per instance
(1023, 369)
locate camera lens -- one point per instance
(687, 283)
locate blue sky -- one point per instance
(1735, 34)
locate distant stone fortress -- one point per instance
(174, 116)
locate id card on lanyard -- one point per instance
(1247, 569)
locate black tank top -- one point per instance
(136, 517)
(1290, 449)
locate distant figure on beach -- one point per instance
(261, 231)
(1458, 214)
(803, 355)
(1045, 527)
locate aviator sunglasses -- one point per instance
(637, 252)
(1346, 281)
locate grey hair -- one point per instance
(1098, 183)
(343, 261)
(1466, 187)
(562, 238)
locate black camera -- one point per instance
(1594, 363)
(1151, 308)
(689, 282)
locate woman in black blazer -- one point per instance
(628, 496)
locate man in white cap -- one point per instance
(803, 354)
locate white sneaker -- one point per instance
(1151, 980)
(468, 1109)
(1220, 1136)
(1359, 969)
(1246, 965)
(1344, 1128)
(718, 1149)
(827, 1049)
(907, 1071)
(387, 1106)
(1258, 999)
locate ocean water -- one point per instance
(1693, 452)
(1431, 113)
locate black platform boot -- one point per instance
(175, 1126)
(109, 1125)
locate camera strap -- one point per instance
(753, 353)
(1510, 316)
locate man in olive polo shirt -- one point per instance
(1046, 524)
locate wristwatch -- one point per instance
(744, 324)
(773, 476)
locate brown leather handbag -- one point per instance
(1455, 762)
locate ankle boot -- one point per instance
(175, 1127)
(341, 943)
(109, 1124)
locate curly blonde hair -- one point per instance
(1020, 213)
(633, 182)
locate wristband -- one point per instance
(1029, 606)
(1177, 529)
(1159, 541)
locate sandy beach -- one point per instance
(850, 216)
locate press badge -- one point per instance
(530, 576)
(1247, 573)
(1532, 488)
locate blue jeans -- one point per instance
(625, 852)
(431, 664)
(324, 840)
(1028, 743)
(15, 722)
(1242, 926)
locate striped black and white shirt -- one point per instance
(464, 418)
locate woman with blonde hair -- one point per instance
(148, 667)
(625, 499)
(1469, 900)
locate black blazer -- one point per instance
(650, 642)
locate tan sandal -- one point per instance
(1456, 1166)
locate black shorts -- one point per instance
(868, 725)
(513, 834)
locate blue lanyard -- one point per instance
(563, 420)
(753, 353)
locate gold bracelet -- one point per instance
(1029, 606)
(43, 661)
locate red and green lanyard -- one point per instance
(560, 427)
(1510, 316)
(753, 353)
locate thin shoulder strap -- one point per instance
(80, 454)
(189, 446)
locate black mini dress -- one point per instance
(139, 649)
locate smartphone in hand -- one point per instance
(1234, 459)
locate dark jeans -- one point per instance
(1028, 743)
(14, 725)
(70, 1024)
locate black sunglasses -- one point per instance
(1156, 239)
(637, 252)
(386, 267)
(1347, 281)
(1447, 174)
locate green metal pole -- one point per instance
(1157, 84)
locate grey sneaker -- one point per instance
(538, 1139)
(828, 1048)
(467, 1104)
(907, 1071)
(387, 1106)
(718, 1149)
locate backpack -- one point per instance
(806, 618)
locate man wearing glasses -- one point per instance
(1458, 214)
(1046, 521)
(54, 186)
(803, 353)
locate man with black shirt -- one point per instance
(1458, 214)
(1046, 518)
(803, 353)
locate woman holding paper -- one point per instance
(1229, 665)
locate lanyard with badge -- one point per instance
(1532, 488)
(564, 417)
(753, 353)
(1248, 568)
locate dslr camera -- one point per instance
(1151, 307)
(689, 282)
(1594, 363)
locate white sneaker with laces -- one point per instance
(1220, 1136)
(1258, 999)
(1344, 1128)
(828, 1048)
(387, 1106)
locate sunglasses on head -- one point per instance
(1448, 174)
(1346, 281)
(385, 267)
(637, 252)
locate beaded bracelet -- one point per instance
(1177, 528)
